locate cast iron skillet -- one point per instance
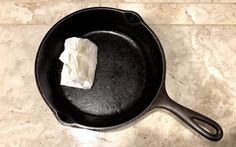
(129, 79)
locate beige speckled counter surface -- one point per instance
(199, 39)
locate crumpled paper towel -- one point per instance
(80, 60)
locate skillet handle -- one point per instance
(200, 123)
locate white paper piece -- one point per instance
(80, 61)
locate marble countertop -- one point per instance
(199, 40)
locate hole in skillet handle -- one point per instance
(200, 123)
(132, 17)
(205, 126)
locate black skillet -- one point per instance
(129, 79)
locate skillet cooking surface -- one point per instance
(120, 76)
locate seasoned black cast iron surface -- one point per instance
(129, 77)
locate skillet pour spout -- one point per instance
(130, 74)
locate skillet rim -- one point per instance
(76, 124)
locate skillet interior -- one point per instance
(128, 74)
